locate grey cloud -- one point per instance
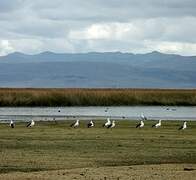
(41, 28)
(10, 5)
(115, 10)
(48, 24)
(101, 10)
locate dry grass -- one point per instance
(95, 97)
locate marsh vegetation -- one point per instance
(96, 97)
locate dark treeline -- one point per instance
(14, 97)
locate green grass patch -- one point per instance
(52, 146)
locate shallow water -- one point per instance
(119, 112)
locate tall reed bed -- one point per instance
(95, 97)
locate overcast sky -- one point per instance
(33, 26)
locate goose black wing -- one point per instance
(28, 124)
(72, 125)
(89, 125)
(109, 126)
(180, 128)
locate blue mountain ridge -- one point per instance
(98, 70)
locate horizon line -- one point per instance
(98, 52)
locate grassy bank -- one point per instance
(55, 146)
(96, 97)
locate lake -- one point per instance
(119, 112)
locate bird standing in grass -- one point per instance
(75, 124)
(184, 126)
(12, 125)
(140, 125)
(108, 123)
(31, 124)
(90, 124)
(157, 124)
(112, 125)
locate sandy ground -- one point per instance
(136, 172)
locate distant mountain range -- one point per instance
(98, 70)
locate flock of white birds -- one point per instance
(108, 124)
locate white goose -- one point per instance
(140, 125)
(76, 124)
(90, 124)
(31, 124)
(108, 123)
(184, 126)
(157, 124)
(12, 125)
(112, 125)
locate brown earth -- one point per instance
(135, 172)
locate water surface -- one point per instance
(119, 112)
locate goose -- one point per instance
(140, 125)
(12, 125)
(75, 124)
(107, 123)
(90, 124)
(184, 126)
(112, 125)
(31, 124)
(157, 124)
